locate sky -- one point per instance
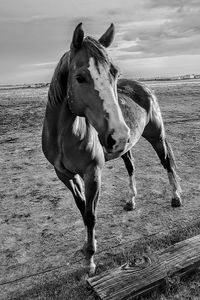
(153, 37)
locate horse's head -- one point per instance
(92, 88)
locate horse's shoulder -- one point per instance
(137, 91)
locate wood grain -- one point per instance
(144, 274)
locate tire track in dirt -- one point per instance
(182, 120)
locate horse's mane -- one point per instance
(58, 85)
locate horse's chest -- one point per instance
(77, 155)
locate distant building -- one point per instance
(188, 76)
(162, 78)
(176, 78)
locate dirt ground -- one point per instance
(40, 226)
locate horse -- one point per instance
(92, 116)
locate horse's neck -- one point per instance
(59, 112)
(58, 86)
(60, 116)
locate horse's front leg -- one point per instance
(92, 181)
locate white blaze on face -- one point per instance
(108, 93)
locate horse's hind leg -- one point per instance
(129, 163)
(165, 153)
(74, 184)
(173, 177)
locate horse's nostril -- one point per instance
(110, 141)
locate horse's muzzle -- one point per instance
(116, 145)
(110, 142)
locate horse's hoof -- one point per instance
(91, 269)
(129, 206)
(176, 202)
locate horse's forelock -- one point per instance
(95, 50)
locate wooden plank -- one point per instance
(144, 274)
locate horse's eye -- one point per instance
(80, 79)
(114, 71)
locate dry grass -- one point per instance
(40, 230)
(73, 285)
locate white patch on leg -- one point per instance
(175, 190)
(91, 266)
(108, 94)
(132, 190)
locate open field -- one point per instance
(41, 230)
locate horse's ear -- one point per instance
(107, 38)
(77, 37)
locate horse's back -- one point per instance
(134, 100)
(142, 107)
(137, 91)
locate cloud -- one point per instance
(167, 34)
(181, 4)
(26, 76)
(160, 66)
(42, 65)
(34, 34)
